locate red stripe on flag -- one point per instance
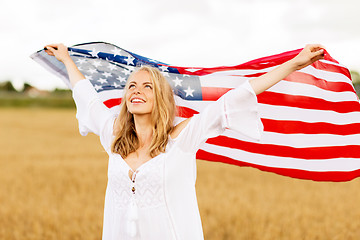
(301, 77)
(332, 68)
(256, 64)
(185, 112)
(326, 152)
(335, 176)
(213, 93)
(112, 102)
(280, 99)
(295, 127)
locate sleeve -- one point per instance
(236, 110)
(93, 116)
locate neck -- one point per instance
(143, 129)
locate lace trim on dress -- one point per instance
(148, 186)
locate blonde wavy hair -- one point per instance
(162, 117)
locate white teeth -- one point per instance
(136, 100)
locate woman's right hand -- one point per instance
(60, 51)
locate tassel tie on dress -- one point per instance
(132, 214)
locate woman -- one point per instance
(152, 166)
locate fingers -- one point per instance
(310, 54)
(314, 47)
(317, 55)
(55, 45)
(52, 49)
(315, 51)
(51, 46)
(49, 50)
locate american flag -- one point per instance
(311, 118)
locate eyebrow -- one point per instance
(143, 83)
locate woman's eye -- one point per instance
(131, 86)
(148, 86)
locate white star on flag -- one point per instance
(102, 80)
(177, 82)
(111, 67)
(130, 60)
(189, 91)
(91, 70)
(81, 60)
(116, 52)
(88, 77)
(126, 71)
(165, 74)
(106, 74)
(116, 85)
(94, 53)
(97, 63)
(121, 79)
(97, 87)
(164, 68)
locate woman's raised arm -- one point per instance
(311, 53)
(60, 51)
(91, 112)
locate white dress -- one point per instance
(160, 201)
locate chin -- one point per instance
(139, 112)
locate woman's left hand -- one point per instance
(311, 53)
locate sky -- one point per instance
(192, 33)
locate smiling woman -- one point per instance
(152, 163)
(150, 101)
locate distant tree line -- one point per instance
(30, 96)
(7, 86)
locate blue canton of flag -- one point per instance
(108, 67)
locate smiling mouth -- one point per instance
(137, 100)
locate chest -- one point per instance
(136, 159)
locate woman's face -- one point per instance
(140, 95)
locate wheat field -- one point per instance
(53, 185)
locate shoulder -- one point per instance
(178, 128)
